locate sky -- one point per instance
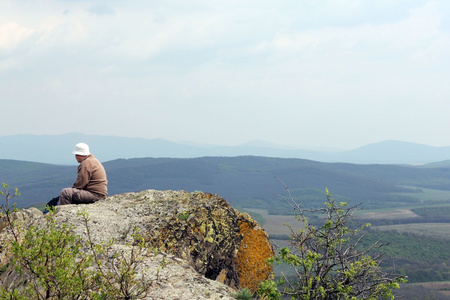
(338, 74)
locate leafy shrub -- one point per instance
(53, 262)
(243, 294)
(326, 261)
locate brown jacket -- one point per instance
(92, 177)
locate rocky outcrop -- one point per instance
(199, 231)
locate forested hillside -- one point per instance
(247, 181)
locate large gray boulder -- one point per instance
(212, 249)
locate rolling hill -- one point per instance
(247, 181)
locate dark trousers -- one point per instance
(76, 196)
(53, 202)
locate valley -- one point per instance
(408, 206)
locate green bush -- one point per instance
(326, 261)
(55, 263)
(52, 256)
(243, 294)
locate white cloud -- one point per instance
(12, 34)
(269, 66)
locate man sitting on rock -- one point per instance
(91, 184)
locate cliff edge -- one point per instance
(209, 248)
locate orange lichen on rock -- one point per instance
(253, 253)
(214, 238)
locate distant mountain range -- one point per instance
(56, 149)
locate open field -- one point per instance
(400, 213)
(408, 211)
(439, 230)
(443, 287)
(428, 194)
(424, 290)
(438, 198)
(274, 223)
(436, 285)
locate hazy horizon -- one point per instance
(255, 142)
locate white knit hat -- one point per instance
(81, 149)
